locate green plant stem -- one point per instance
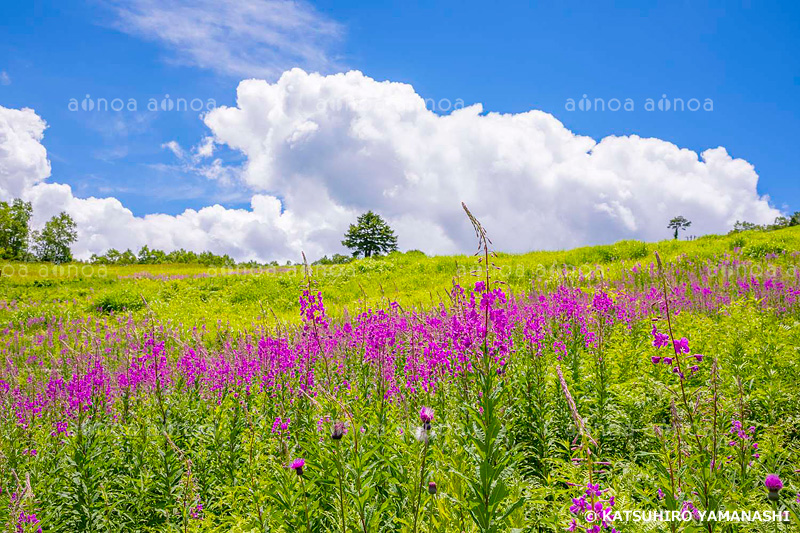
(305, 503)
(421, 480)
(341, 482)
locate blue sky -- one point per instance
(511, 57)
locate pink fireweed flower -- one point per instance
(297, 465)
(689, 506)
(592, 490)
(598, 507)
(659, 339)
(27, 519)
(579, 505)
(681, 345)
(281, 426)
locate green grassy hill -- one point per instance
(193, 294)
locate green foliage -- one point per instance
(780, 222)
(52, 243)
(631, 250)
(335, 259)
(369, 236)
(14, 230)
(191, 293)
(501, 449)
(745, 226)
(118, 301)
(146, 256)
(762, 249)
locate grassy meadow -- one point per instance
(194, 294)
(551, 391)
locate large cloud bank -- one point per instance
(322, 149)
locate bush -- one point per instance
(630, 250)
(118, 301)
(762, 249)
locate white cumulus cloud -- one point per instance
(319, 150)
(23, 159)
(262, 232)
(348, 142)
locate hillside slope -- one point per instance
(192, 293)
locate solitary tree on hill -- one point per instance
(679, 223)
(369, 236)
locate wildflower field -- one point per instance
(409, 394)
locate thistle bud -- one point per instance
(338, 431)
(426, 416)
(297, 465)
(432, 487)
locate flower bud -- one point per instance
(297, 465)
(338, 431)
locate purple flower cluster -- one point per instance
(660, 340)
(58, 371)
(741, 437)
(280, 426)
(24, 520)
(592, 511)
(689, 507)
(677, 355)
(197, 511)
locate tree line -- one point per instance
(370, 236)
(148, 256)
(779, 223)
